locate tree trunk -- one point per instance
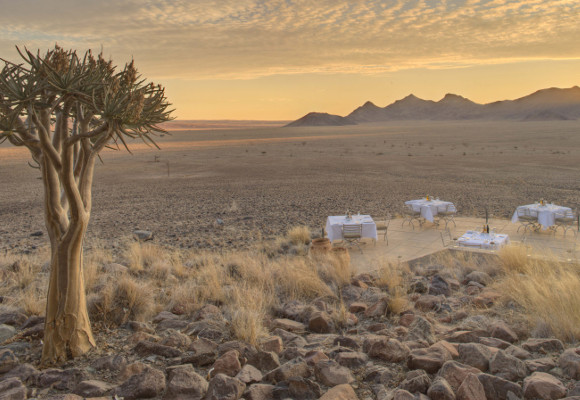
(67, 331)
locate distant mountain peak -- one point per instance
(542, 105)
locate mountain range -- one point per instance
(543, 105)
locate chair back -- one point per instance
(352, 231)
(451, 208)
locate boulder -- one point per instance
(500, 330)
(439, 286)
(93, 388)
(471, 389)
(569, 361)
(15, 319)
(357, 307)
(543, 364)
(351, 359)
(145, 348)
(142, 235)
(416, 382)
(428, 303)
(273, 343)
(228, 364)
(12, 389)
(6, 332)
(497, 388)
(475, 354)
(303, 388)
(340, 392)
(149, 383)
(543, 386)
(478, 276)
(330, 373)
(320, 322)
(455, 373)
(420, 329)
(60, 379)
(249, 374)
(7, 360)
(113, 362)
(183, 383)
(543, 345)
(260, 392)
(265, 361)
(346, 341)
(386, 349)
(440, 390)
(518, 352)
(430, 359)
(289, 325)
(507, 367)
(378, 308)
(293, 368)
(223, 387)
(25, 372)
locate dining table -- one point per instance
(428, 208)
(483, 240)
(334, 225)
(547, 213)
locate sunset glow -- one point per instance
(277, 60)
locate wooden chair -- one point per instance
(352, 234)
(383, 225)
(447, 213)
(411, 215)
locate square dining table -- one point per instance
(334, 226)
(428, 208)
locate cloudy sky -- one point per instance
(278, 59)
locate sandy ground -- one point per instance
(262, 181)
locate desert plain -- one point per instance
(228, 185)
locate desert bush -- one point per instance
(334, 268)
(119, 301)
(299, 279)
(546, 290)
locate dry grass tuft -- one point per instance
(547, 290)
(299, 235)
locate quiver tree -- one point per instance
(65, 109)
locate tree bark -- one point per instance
(67, 330)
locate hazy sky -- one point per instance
(279, 59)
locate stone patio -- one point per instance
(406, 244)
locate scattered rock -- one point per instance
(265, 361)
(378, 309)
(114, 362)
(291, 369)
(440, 390)
(12, 389)
(142, 235)
(471, 389)
(14, 319)
(249, 374)
(183, 383)
(320, 322)
(439, 286)
(390, 350)
(544, 364)
(543, 386)
(455, 373)
(421, 329)
(430, 359)
(501, 331)
(478, 276)
(289, 325)
(340, 392)
(494, 342)
(543, 346)
(428, 303)
(518, 352)
(302, 388)
(260, 392)
(223, 387)
(569, 361)
(93, 388)
(508, 367)
(7, 360)
(6, 332)
(352, 359)
(274, 344)
(475, 354)
(346, 341)
(60, 379)
(357, 307)
(25, 372)
(145, 348)
(228, 364)
(330, 373)
(416, 382)
(498, 388)
(149, 383)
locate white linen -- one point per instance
(428, 208)
(546, 213)
(334, 226)
(488, 241)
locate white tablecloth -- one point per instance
(482, 240)
(334, 226)
(428, 208)
(546, 213)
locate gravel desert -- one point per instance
(228, 188)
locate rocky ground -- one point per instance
(229, 189)
(450, 342)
